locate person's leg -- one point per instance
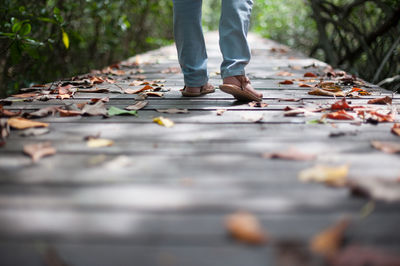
(190, 43)
(233, 28)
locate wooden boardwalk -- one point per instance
(159, 196)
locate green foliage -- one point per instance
(47, 40)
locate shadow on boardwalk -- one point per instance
(160, 196)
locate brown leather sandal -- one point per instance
(208, 88)
(243, 93)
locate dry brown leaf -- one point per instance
(51, 110)
(290, 154)
(221, 111)
(162, 121)
(137, 106)
(22, 123)
(39, 150)
(98, 108)
(173, 111)
(97, 143)
(310, 75)
(304, 85)
(8, 113)
(132, 91)
(384, 100)
(333, 176)
(246, 228)
(154, 93)
(66, 113)
(323, 92)
(25, 95)
(284, 74)
(286, 82)
(386, 146)
(328, 242)
(396, 129)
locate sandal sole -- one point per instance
(239, 94)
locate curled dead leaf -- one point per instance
(333, 176)
(137, 106)
(246, 228)
(384, 100)
(386, 146)
(39, 150)
(396, 129)
(323, 92)
(22, 123)
(286, 82)
(290, 154)
(328, 242)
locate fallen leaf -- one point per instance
(310, 75)
(22, 123)
(145, 88)
(154, 93)
(95, 90)
(104, 100)
(328, 242)
(289, 100)
(112, 111)
(362, 256)
(258, 104)
(39, 150)
(304, 85)
(97, 143)
(396, 129)
(43, 112)
(173, 111)
(333, 176)
(384, 100)
(34, 132)
(8, 113)
(340, 115)
(360, 91)
(162, 121)
(66, 113)
(340, 105)
(137, 105)
(376, 188)
(386, 146)
(284, 74)
(286, 82)
(246, 228)
(323, 92)
(98, 108)
(25, 95)
(290, 154)
(221, 111)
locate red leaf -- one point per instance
(384, 100)
(340, 105)
(286, 82)
(340, 115)
(310, 75)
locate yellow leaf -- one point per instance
(164, 121)
(65, 39)
(97, 143)
(334, 176)
(22, 123)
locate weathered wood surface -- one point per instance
(159, 195)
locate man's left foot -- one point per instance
(240, 88)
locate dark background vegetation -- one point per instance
(45, 40)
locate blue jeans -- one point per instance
(189, 39)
